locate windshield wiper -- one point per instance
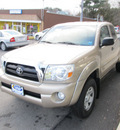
(46, 42)
(69, 43)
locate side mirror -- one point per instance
(108, 41)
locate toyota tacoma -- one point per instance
(65, 68)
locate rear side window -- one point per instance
(113, 32)
(104, 32)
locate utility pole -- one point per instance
(81, 16)
(42, 16)
(43, 11)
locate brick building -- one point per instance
(29, 21)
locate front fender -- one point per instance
(84, 75)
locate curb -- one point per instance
(118, 128)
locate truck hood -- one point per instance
(46, 53)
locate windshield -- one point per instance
(75, 34)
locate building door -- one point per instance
(17, 27)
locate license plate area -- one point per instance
(21, 39)
(17, 89)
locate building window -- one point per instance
(4, 25)
(31, 29)
(35, 28)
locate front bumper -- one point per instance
(41, 94)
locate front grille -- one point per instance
(26, 72)
(26, 92)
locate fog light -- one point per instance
(61, 96)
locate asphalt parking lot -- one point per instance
(16, 114)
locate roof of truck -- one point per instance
(84, 23)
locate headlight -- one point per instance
(3, 62)
(59, 72)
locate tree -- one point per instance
(53, 10)
(106, 12)
(91, 8)
(94, 7)
(115, 12)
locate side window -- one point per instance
(113, 32)
(104, 33)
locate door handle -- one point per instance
(112, 48)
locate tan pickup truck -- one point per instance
(65, 68)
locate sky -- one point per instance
(114, 3)
(73, 5)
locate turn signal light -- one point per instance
(12, 39)
(70, 74)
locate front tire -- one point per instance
(86, 101)
(118, 67)
(37, 37)
(3, 47)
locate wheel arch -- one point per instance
(3, 42)
(84, 76)
(95, 76)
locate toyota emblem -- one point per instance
(19, 70)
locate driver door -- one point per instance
(106, 52)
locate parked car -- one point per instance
(117, 29)
(12, 38)
(39, 35)
(65, 68)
